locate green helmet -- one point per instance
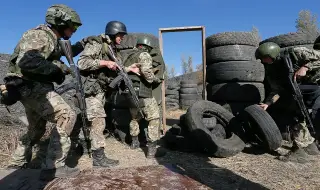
(270, 49)
(62, 15)
(145, 40)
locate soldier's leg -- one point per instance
(134, 128)
(36, 129)
(152, 113)
(96, 114)
(51, 107)
(302, 141)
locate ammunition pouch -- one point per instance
(91, 86)
(10, 91)
(130, 101)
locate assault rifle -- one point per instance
(296, 91)
(66, 48)
(123, 76)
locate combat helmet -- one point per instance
(60, 15)
(115, 27)
(270, 49)
(145, 40)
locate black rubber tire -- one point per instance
(219, 131)
(261, 126)
(172, 96)
(235, 107)
(214, 145)
(232, 38)
(129, 42)
(172, 92)
(173, 85)
(291, 39)
(210, 122)
(187, 82)
(185, 104)
(236, 92)
(231, 53)
(235, 71)
(190, 97)
(188, 86)
(188, 90)
(170, 101)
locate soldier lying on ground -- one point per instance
(307, 61)
(34, 66)
(96, 66)
(143, 84)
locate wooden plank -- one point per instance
(181, 29)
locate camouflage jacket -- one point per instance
(276, 73)
(37, 55)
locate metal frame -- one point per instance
(204, 64)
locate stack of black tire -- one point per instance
(188, 93)
(234, 75)
(172, 96)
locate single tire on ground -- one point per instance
(259, 124)
(214, 145)
(230, 53)
(235, 71)
(173, 97)
(236, 92)
(232, 38)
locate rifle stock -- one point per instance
(66, 48)
(297, 95)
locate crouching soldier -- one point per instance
(305, 62)
(143, 85)
(34, 66)
(98, 70)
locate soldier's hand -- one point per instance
(135, 68)
(263, 106)
(65, 69)
(109, 64)
(300, 73)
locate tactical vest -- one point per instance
(97, 81)
(55, 55)
(145, 88)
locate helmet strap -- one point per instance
(60, 29)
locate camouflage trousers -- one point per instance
(97, 116)
(301, 135)
(42, 104)
(151, 111)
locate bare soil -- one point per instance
(243, 171)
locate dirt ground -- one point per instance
(243, 171)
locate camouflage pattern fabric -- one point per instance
(96, 114)
(42, 105)
(40, 101)
(151, 111)
(309, 57)
(146, 68)
(90, 57)
(301, 135)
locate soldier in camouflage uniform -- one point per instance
(307, 61)
(96, 66)
(34, 66)
(149, 105)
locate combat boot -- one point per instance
(135, 143)
(60, 172)
(312, 149)
(99, 159)
(152, 150)
(295, 155)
